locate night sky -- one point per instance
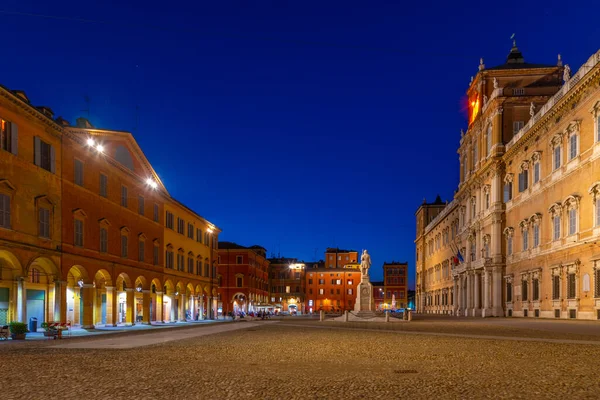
(296, 125)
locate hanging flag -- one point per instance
(460, 257)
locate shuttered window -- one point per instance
(44, 155)
(4, 211)
(8, 136)
(78, 172)
(556, 287)
(44, 222)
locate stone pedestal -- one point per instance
(365, 304)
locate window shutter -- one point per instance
(37, 151)
(14, 138)
(52, 160)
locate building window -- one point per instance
(198, 235)
(350, 291)
(475, 153)
(239, 281)
(123, 196)
(487, 205)
(155, 254)
(556, 227)
(155, 212)
(321, 291)
(169, 220)
(179, 261)
(555, 287)
(44, 155)
(103, 185)
(572, 147)
(206, 270)
(169, 258)
(524, 288)
(190, 265)
(571, 286)
(103, 240)
(556, 158)
(190, 231)
(78, 230)
(140, 205)
(523, 181)
(141, 250)
(8, 136)
(44, 222)
(488, 139)
(78, 172)
(239, 259)
(508, 292)
(517, 126)
(124, 246)
(525, 239)
(180, 226)
(536, 289)
(507, 192)
(206, 238)
(597, 283)
(199, 268)
(4, 211)
(536, 172)
(572, 221)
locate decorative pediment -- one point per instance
(509, 231)
(555, 209)
(594, 190)
(508, 178)
(142, 237)
(6, 186)
(170, 247)
(190, 254)
(524, 224)
(156, 242)
(535, 218)
(124, 230)
(43, 200)
(79, 213)
(104, 222)
(572, 202)
(573, 127)
(556, 140)
(181, 250)
(524, 166)
(487, 239)
(486, 189)
(595, 110)
(536, 156)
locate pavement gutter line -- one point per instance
(459, 335)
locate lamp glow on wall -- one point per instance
(92, 143)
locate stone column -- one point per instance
(21, 297)
(111, 306)
(469, 293)
(60, 301)
(130, 304)
(146, 307)
(477, 309)
(182, 307)
(192, 303)
(201, 307)
(87, 294)
(159, 307)
(498, 310)
(497, 129)
(486, 294)
(459, 295)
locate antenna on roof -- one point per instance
(87, 103)
(512, 37)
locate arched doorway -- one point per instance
(10, 271)
(76, 279)
(102, 280)
(239, 303)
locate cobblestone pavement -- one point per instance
(285, 361)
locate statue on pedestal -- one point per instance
(365, 263)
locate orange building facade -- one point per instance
(83, 234)
(243, 279)
(287, 285)
(395, 280)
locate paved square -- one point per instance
(311, 360)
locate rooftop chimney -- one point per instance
(84, 123)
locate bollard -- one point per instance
(321, 315)
(387, 316)
(346, 316)
(410, 315)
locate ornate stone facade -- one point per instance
(522, 178)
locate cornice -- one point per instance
(32, 111)
(563, 106)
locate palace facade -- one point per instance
(522, 234)
(87, 229)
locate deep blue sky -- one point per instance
(296, 125)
